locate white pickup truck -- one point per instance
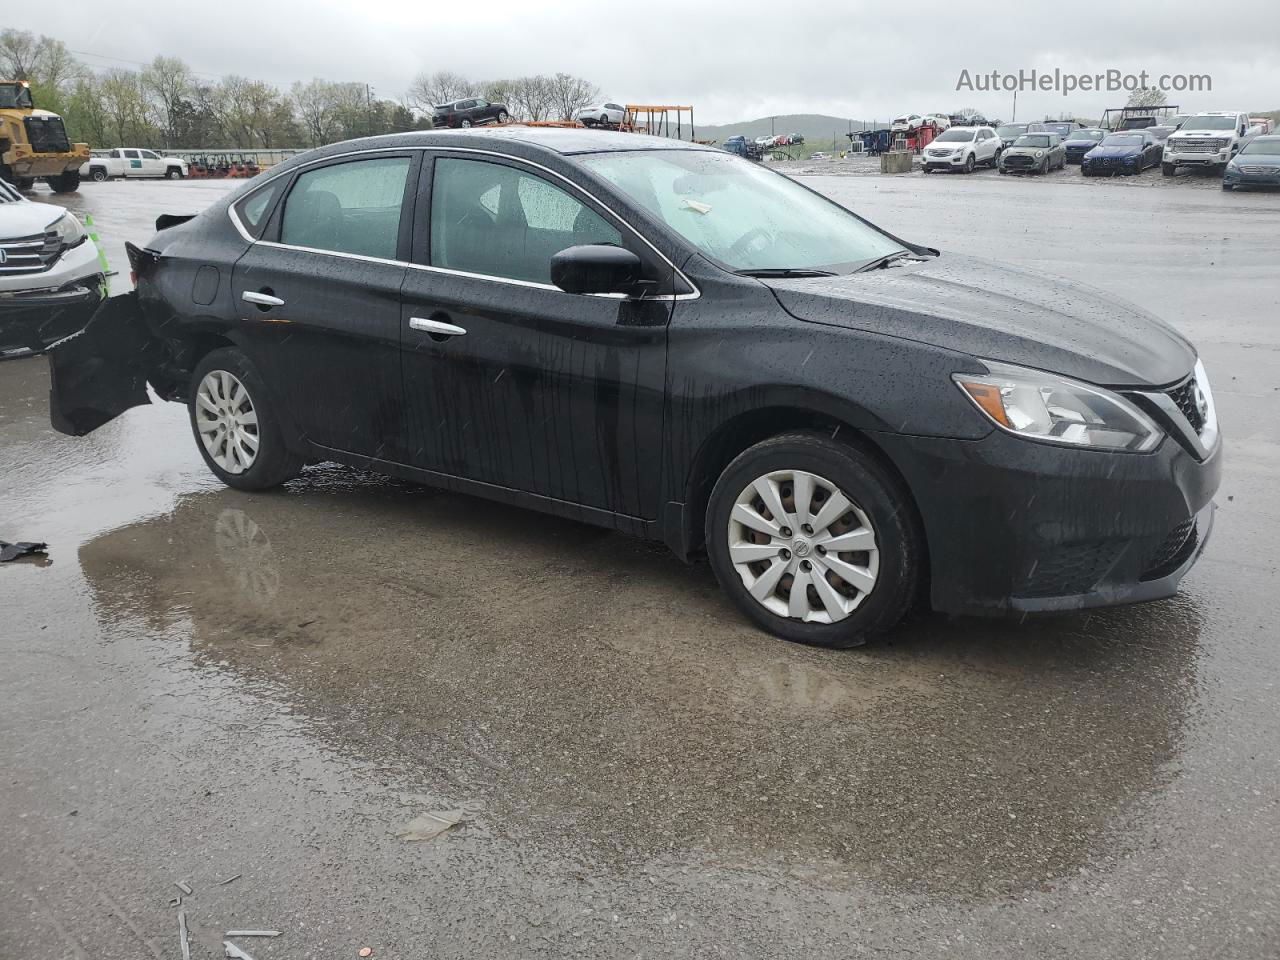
(131, 162)
(1205, 140)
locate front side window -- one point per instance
(148, 155)
(351, 207)
(131, 154)
(498, 221)
(741, 215)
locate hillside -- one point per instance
(816, 128)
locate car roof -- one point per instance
(562, 140)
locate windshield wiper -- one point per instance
(767, 272)
(884, 261)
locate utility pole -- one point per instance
(1015, 105)
(368, 108)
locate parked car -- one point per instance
(1205, 140)
(1081, 142)
(940, 120)
(1161, 132)
(132, 162)
(1256, 165)
(1130, 152)
(743, 147)
(50, 278)
(906, 123)
(1063, 128)
(962, 148)
(1009, 132)
(664, 339)
(469, 112)
(602, 114)
(1266, 123)
(1034, 153)
(972, 120)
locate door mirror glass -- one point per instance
(595, 268)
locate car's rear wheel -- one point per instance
(814, 540)
(464, 122)
(235, 425)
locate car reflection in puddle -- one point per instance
(570, 680)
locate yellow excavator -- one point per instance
(34, 145)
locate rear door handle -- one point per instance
(261, 299)
(436, 327)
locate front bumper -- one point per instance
(942, 163)
(1235, 178)
(77, 264)
(39, 309)
(1018, 526)
(1197, 159)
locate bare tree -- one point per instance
(124, 104)
(316, 105)
(1147, 97)
(440, 87)
(532, 97)
(19, 51)
(40, 60)
(570, 94)
(169, 81)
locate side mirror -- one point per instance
(595, 268)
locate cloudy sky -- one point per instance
(732, 61)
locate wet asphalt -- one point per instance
(204, 684)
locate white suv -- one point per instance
(50, 276)
(1204, 140)
(962, 148)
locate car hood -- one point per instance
(1262, 159)
(1027, 151)
(1114, 151)
(26, 218)
(1184, 132)
(992, 311)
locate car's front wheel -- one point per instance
(815, 540)
(235, 425)
(173, 173)
(969, 163)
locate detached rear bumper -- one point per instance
(1017, 526)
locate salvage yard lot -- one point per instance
(206, 683)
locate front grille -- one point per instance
(1173, 552)
(47, 135)
(1184, 397)
(1196, 146)
(32, 254)
(1019, 161)
(1072, 568)
(1259, 168)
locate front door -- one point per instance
(321, 294)
(546, 392)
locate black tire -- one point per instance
(969, 164)
(1167, 169)
(464, 122)
(274, 462)
(25, 183)
(503, 116)
(67, 182)
(1227, 187)
(866, 482)
(173, 173)
(98, 174)
(1002, 169)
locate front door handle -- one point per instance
(261, 299)
(436, 327)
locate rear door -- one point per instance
(320, 296)
(535, 390)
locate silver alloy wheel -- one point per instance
(226, 421)
(802, 548)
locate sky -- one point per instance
(731, 61)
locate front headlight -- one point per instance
(1039, 154)
(1043, 406)
(69, 231)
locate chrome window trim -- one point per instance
(235, 220)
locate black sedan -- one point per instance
(470, 112)
(671, 341)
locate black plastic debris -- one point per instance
(12, 551)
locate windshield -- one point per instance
(1123, 141)
(1269, 146)
(740, 214)
(1011, 130)
(1210, 123)
(1094, 135)
(1058, 128)
(954, 136)
(1032, 140)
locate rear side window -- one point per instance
(254, 209)
(351, 207)
(495, 220)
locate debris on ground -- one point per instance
(252, 933)
(430, 825)
(182, 935)
(234, 952)
(24, 548)
(366, 951)
(229, 879)
(186, 890)
(176, 902)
